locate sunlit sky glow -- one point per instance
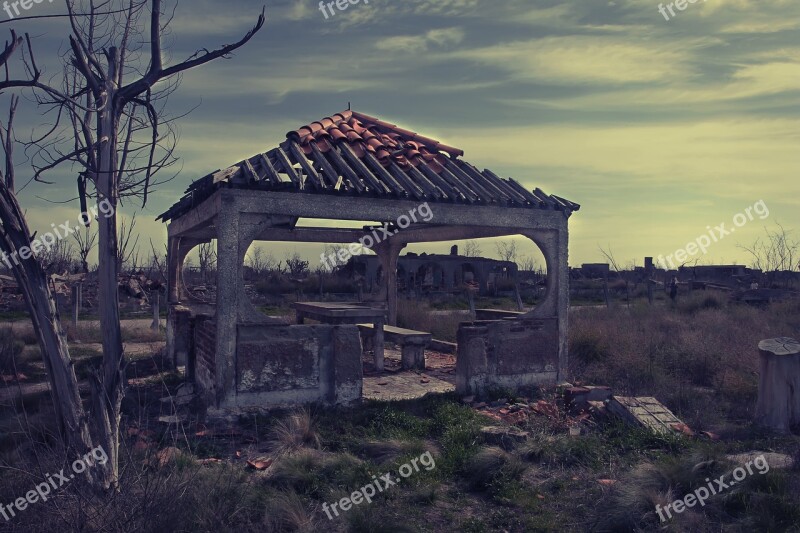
(657, 128)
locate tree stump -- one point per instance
(778, 406)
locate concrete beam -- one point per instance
(361, 208)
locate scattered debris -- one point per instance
(172, 419)
(260, 464)
(577, 398)
(166, 456)
(779, 461)
(548, 409)
(15, 377)
(682, 428)
(505, 437)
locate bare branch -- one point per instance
(156, 73)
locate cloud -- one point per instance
(585, 59)
(438, 38)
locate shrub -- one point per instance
(10, 349)
(589, 347)
(492, 467)
(297, 430)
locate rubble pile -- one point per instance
(135, 288)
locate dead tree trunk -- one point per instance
(15, 242)
(107, 392)
(98, 101)
(778, 406)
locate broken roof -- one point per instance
(354, 154)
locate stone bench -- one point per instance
(496, 314)
(412, 343)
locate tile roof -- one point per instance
(350, 153)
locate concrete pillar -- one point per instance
(229, 277)
(388, 254)
(554, 246)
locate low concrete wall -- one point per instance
(278, 365)
(510, 353)
(203, 359)
(179, 335)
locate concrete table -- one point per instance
(346, 313)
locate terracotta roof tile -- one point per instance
(389, 142)
(371, 157)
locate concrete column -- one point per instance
(250, 227)
(388, 255)
(554, 247)
(229, 277)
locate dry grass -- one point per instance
(297, 430)
(700, 357)
(413, 314)
(289, 512)
(492, 465)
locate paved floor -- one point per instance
(397, 384)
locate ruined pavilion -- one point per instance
(352, 167)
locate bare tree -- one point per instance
(127, 250)
(158, 264)
(297, 267)
(86, 241)
(57, 258)
(207, 260)
(261, 263)
(609, 255)
(110, 122)
(507, 250)
(527, 264)
(16, 243)
(776, 251)
(472, 249)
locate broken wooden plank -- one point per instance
(468, 193)
(529, 196)
(249, 171)
(287, 167)
(421, 181)
(475, 185)
(500, 194)
(269, 170)
(449, 189)
(369, 177)
(378, 169)
(307, 167)
(350, 174)
(506, 186)
(329, 173)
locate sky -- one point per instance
(660, 129)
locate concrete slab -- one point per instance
(644, 411)
(405, 385)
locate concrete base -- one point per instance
(512, 353)
(281, 366)
(413, 356)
